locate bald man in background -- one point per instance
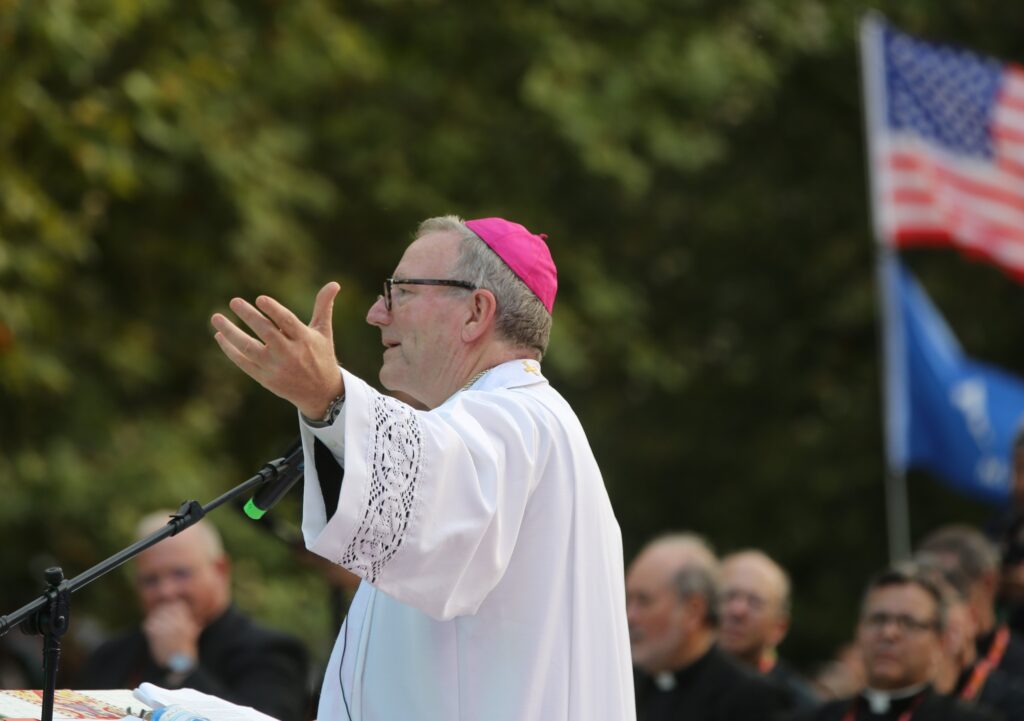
(754, 612)
(671, 606)
(192, 636)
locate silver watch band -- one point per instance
(329, 415)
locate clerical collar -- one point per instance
(668, 680)
(665, 681)
(879, 701)
(510, 374)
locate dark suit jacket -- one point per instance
(239, 661)
(712, 688)
(928, 706)
(1001, 693)
(1012, 661)
(801, 693)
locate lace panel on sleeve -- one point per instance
(395, 460)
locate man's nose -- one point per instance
(736, 606)
(890, 631)
(378, 314)
(631, 612)
(163, 588)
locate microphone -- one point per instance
(287, 471)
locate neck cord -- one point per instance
(473, 380)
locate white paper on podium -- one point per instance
(203, 704)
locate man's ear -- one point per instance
(222, 566)
(779, 631)
(697, 608)
(483, 308)
(989, 583)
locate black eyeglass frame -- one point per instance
(388, 282)
(905, 623)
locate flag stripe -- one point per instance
(951, 190)
(947, 142)
(912, 171)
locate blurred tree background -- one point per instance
(698, 166)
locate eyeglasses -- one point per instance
(903, 622)
(754, 602)
(388, 282)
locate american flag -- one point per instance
(946, 137)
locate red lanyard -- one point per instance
(984, 667)
(851, 713)
(981, 671)
(998, 647)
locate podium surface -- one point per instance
(70, 704)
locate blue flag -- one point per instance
(945, 413)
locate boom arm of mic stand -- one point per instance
(50, 613)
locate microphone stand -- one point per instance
(50, 614)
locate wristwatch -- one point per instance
(333, 410)
(181, 664)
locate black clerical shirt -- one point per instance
(801, 693)
(1011, 659)
(239, 660)
(712, 688)
(924, 706)
(998, 691)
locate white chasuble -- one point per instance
(491, 560)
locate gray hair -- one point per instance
(520, 318)
(698, 574)
(699, 581)
(975, 555)
(952, 576)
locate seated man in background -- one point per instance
(960, 671)
(965, 550)
(192, 636)
(19, 662)
(842, 675)
(1011, 583)
(1006, 529)
(672, 610)
(903, 618)
(754, 612)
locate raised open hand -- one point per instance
(287, 357)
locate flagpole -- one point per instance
(897, 512)
(894, 403)
(897, 504)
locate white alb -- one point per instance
(491, 560)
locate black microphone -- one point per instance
(288, 470)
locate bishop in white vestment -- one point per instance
(491, 562)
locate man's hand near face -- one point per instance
(171, 629)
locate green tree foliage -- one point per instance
(698, 166)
